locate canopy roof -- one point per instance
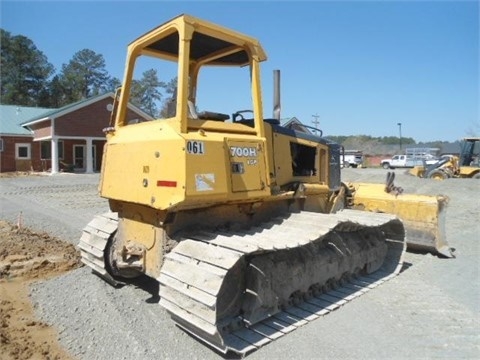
(211, 44)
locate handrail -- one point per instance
(313, 128)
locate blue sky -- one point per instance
(361, 66)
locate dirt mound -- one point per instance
(26, 256)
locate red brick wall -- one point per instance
(42, 130)
(7, 156)
(88, 121)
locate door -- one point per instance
(79, 157)
(398, 160)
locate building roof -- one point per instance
(54, 113)
(295, 124)
(12, 117)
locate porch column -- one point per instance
(89, 164)
(54, 152)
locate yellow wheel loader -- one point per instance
(245, 224)
(466, 165)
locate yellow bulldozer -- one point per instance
(465, 165)
(245, 224)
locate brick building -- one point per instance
(67, 139)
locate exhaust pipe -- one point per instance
(276, 94)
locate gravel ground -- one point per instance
(430, 311)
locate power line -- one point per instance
(316, 122)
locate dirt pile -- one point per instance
(26, 256)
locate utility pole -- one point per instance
(400, 132)
(316, 122)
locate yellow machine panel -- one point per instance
(145, 165)
(247, 167)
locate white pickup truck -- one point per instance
(405, 161)
(351, 158)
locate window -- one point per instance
(303, 159)
(22, 151)
(60, 149)
(46, 150)
(1, 145)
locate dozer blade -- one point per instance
(238, 291)
(423, 215)
(418, 171)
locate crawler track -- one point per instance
(93, 244)
(240, 291)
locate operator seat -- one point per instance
(205, 115)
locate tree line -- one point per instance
(381, 144)
(29, 79)
(352, 142)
